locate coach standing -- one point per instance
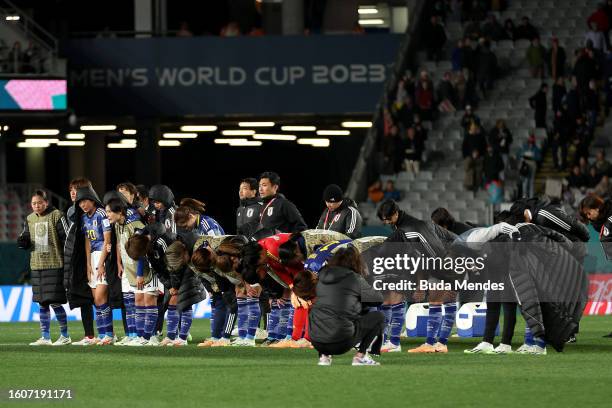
(278, 213)
(341, 214)
(247, 215)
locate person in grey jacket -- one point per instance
(340, 318)
(341, 214)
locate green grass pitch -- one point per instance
(257, 377)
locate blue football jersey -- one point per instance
(208, 226)
(94, 228)
(317, 260)
(132, 215)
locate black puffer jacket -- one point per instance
(112, 272)
(544, 271)
(189, 286)
(160, 241)
(342, 296)
(164, 195)
(78, 291)
(280, 214)
(345, 219)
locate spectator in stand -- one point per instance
(391, 192)
(184, 30)
(592, 105)
(583, 163)
(530, 156)
(424, 97)
(413, 151)
(500, 138)
(390, 151)
(602, 165)
(469, 117)
(473, 140)
(593, 178)
(581, 141)
(538, 104)
(536, 56)
(375, 192)
(232, 29)
(558, 93)
(596, 38)
(559, 139)
(469, 55)
(457, 56)
(487, 68)
(447, 95)
(572, 100)
(585, 68)
(15, 58)
(492, 30)
(358, 29)
(509, 30)
(576, 179)
(421, 132)
(493, 165)
(435, 38)
(556, 60)
(601, 20)
(526, 31)
(473, 165)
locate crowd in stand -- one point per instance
(16, 59)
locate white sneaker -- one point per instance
(223, 342)
(106, 341)
(85, 341)
(261, 334)
(366, 360)
(525, 349)
(138, 342)
(62, 341)
(482, 348)
(153, 342)
(389, 347)
(243, 342)
(189, 338)
(179, 342)
(235, 332)
(503, 349)
(123, 342)
(167, 342)
(325, 360)
(538, 350)
(42, 342)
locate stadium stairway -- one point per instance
(440, 184)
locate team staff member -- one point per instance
(341, 214)
(247, 215)
(278, 213)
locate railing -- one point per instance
(29, 27)
(365, 170)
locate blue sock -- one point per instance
(273, 319)
(254, 312)
(433, 323)
(186, 319)
(106, 317)
(386, 309)
(150, 321)
(218, 316)
(100, 321)
(291, 310)
(141, 316)
(450, 311)
(172, 327)
(130, 313)
(540, 342)
(398, 312)
(529, 340)
(62, 319)
(45, 322)
(243, 317)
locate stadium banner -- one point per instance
(222, 76)
(600, 295)
(19, 94)
(16, 306)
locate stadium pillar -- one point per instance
(148, 159)
(76, 162)
(293, 17)
(143, 17)
(340, 16)
(95, 161)
(35, 165)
